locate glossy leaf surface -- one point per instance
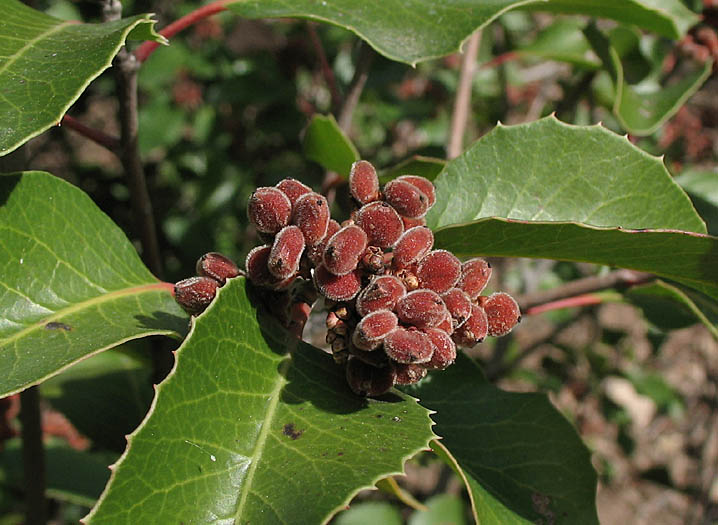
(327, 145)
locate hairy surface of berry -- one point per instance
(196, 293)
(382, 293)
(311, 215)
(381, 222)
(344, 250)
(372, 329)
(293, 189)
(502, 313)
(474, 330)
(424, 184)
(316, 253)
(367, 380)
(440, 270)
(444, 350)
(269, 209)
(405, 345)
(286, 252)
(412, 246)
(407, 199)
(363, 182)
(475, 274)
(458, 304)
(421, 308)
(217, 266)
(337, 287)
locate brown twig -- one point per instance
(95, 135)
(327, 71)
(143, 52)
(356, 86)
(462, 103)
(33, 457)
(576, 293)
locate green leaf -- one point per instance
(427, 167)
(72, 284)
(104, 397)
(327, 145)
(702, 188)
(670, 307)
(72, 475)
(370, 512)
(46, 63)
(562, 41)
(644, 106)
(521, 458)
(414, 30)
(253, 426)
(444, 509)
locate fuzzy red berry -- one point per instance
(381, 223)
(372, 329)
(311, 214)
(405, 345)
(424, 184)
(440, 270)
(217, 266)
(502, 313)
(473, 330)
(407, 199)
(196, 293)
(269, 209)
(412, 246)
(421, 308)
(337, 287)
(286, 252)
(344, 250)
(382, 293)
(363, 182)
(475, 274)
(293, 189)
(444, 349)
(458, 304)
(258, 272)
(316, 253)
(367, 380)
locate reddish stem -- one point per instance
(569, 302)
(143, 52)
(327, 71)
(497, 61)
(95, 135)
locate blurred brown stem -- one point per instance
(327, 71)
(462, 103)
(33, 457)
(95, 135)
(356, 86)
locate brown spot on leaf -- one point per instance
(291, 431)
(53, 325)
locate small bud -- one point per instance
(195, 294)
(217, 266)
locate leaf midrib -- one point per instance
(100, 299)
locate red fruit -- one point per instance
(475, 273)
(311, 214)
(444, 349)
(439, 271)
(446, 324)
(381, 223)
(459, 306)
(425, 185)
(258, 269)
(286, 252)
(367, 380)
(344, 250)
(269, 210)
(316, 253)
(293, 189)
(372, 329)
(473, 330)
(408, 346)
(408, 374)
(217, 266)
(195, 294)
(363, 182)
(407, 199)
(381, 293)
(411, 223)
(337, 287)
(502, 313)
(421, 308)
(412, 246)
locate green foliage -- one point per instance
(325, 143)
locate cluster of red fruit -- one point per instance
(397, 307)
